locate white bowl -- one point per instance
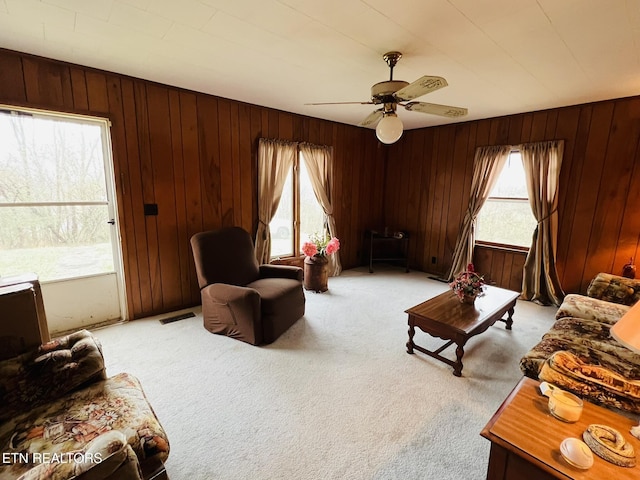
(576, 453)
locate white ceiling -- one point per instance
(498, 56)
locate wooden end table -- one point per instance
(525, 439)
(445, 317)
(387, 248)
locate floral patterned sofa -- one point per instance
(62, 418)
(578, 353)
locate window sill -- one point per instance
(503, 247)
(296, 261)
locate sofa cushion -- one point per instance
(588, 339)
(44, 374)
(282, 303)
(277, 294)
(597, 383)
(615, 289)
(71, 422)
(580, 306)
(108, 456)
(225, 255)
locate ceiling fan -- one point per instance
(392, 93)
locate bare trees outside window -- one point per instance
(53, 203)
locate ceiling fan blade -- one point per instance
(435, 109)
(342, 103)
(372, 118)
(422, 86)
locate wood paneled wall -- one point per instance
(499, 266)
(195, 156)
(429, 177)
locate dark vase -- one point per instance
(629, 270)
(316, 273)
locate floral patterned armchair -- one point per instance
(62, 418)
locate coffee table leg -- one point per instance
(457, 367)
(412, 332)
(509, 320)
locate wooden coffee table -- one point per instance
(445, 317)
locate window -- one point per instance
(299, 214)
(506, 218)
(54, 205)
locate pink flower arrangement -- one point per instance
(332, 246)
(309, 249)
(320, 246)
(467, 283)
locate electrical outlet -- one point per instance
(434, 260)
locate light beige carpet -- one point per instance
(336, 397)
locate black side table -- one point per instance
(389, 247)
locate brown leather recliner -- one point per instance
(240, 298)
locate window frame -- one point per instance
(108, 183)
(296, 190)
(498, 245)
(296, 204)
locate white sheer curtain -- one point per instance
(319, 162)
(487, 165)
(542, 162)
(275, 158)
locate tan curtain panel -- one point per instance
(275, 159)
(542, 162)
(487, 165)
(319, 162)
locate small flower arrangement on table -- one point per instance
(320, 246)
(467, 285)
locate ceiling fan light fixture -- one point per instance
(392, 93)
(389, 129)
